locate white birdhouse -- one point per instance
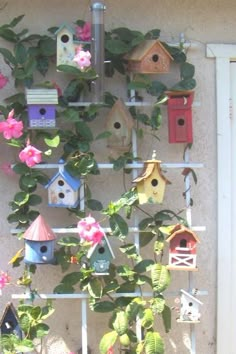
(190, 308)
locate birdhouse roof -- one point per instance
(194, 299)
(42, 96)
(63, 26)
(141, 50)
(148, 169)
(179, 229)
(125, 115)
(73, 182)
(39, 231)
(8, 309)
(93, 248)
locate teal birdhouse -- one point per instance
(100, 256)
(9, 323)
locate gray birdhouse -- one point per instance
(39, 243)
(63, 189)
(119, 123)
(9, 323)
(66, 46)
(42, 107)
(189, 308)
(100, 256)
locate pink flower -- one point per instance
(84, 33)
(110, 351)
(4, 279)
(30, 155)
(7, 169)
(82, 58)
(3, 80)
(90, 230)
(11, 128)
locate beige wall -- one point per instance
(201, 22)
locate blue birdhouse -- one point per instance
(63, 189)
(42, 107)
(39, 243)
(100, 256)
(9, 323)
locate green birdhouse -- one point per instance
(100, 256)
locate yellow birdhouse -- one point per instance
(149, 57)
(119, 123)
(66, 46)
(151, 183)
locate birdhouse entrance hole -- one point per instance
(61, 182)
(43, 249)
(190, 304)
(181, 121)
(65, 38)
(155, 58)
(101, 250)
(183, 243)
(117, 125)
(42, 111)
(61, 195)
(154, 182)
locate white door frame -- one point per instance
(226, 216)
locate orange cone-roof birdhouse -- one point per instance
(119, 123)
(182, 249)
(151, 182)
(149, 57)
(39, 242)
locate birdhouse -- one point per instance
(39, 243)
(189, 311)
(9, 323)
(149, 57)
(151, 182)
(42, 107)
(100, 256)
(63, 189)
(182, 249)
(179, 108)
(120, 123)
(66, 45)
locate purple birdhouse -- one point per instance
(42, 107)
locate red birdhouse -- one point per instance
(182, 251)
(179, 109)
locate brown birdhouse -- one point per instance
(119, 123)
(179, 108)
(149, 57)
(151, 183)
(182, 249)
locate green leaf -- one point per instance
(28, 181)
(186, 84)
(187, 70)
(121, 323)
(24, 346)
(103, 135)
(64, 289)
(107, 341)
(8, 56)
(103, 306)
(20, 53)
(147, 318)
(72, 278)
(21, 198)
(153, 343)
(40, 330)
(47, 46)
(52, 142)
(166, 317)
(69, 241)
(153, 34)
(118, 226)
(156, 88)
(133, 308)
(143, 266)
(34, 199)
(84, 131)
(42, 65)
(94, 204)
(145, 238)
(8, 34)
(117, 46)
(160, 277)
(16, 20)
(157, 304)
(95, 288)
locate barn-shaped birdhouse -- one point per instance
(151, 183)
(100, 256)
(119, 123)
(179, 108)
(189, 308)
(9, 323)
(66, 46)
(149, 57)
(39, 242)
(63, 189)
(182, 249)
(42, 107)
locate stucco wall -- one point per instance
(201, 22)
